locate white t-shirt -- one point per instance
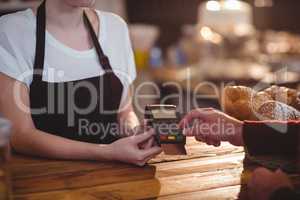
(62, 63)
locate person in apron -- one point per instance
(57, 127)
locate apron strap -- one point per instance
(40, 43)
(104, 61)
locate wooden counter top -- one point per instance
(205, 173)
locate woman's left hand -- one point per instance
(128, 149)
(140, 130)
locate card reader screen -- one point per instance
(164, 114)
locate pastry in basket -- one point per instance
(243, 102)
(259, 99)
(284, 95)
(274, 110)
(236, 102)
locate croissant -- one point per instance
(284, 95)
(275, 110)
(242, 102)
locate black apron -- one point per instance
(63, 103)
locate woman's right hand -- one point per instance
(128, 149)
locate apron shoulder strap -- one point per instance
(40, 43)
(104, 60)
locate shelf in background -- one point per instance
(17, 5)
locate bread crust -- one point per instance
(284, 95)
(275, 110)
(274, 103)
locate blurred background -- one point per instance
(189, 42)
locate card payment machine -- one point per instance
(164, 120)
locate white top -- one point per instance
(62, 63)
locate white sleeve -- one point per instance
(12, 60)
(130, 65)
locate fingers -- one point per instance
(151, 152)
(202, 137)
(201, 113)
(145, 122)
(184, 123)
(213, 141)
(146, 155)
(194, 131)
(205, 137)
(190, 132)
(138, 130)
(143, 137)
(217, 143)
(149, 143)
(149, 158)
(209, 140)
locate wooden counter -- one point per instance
(205, 173)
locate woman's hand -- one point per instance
(265, 182)
(212, 127)
(128, 149)
(148, 143)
